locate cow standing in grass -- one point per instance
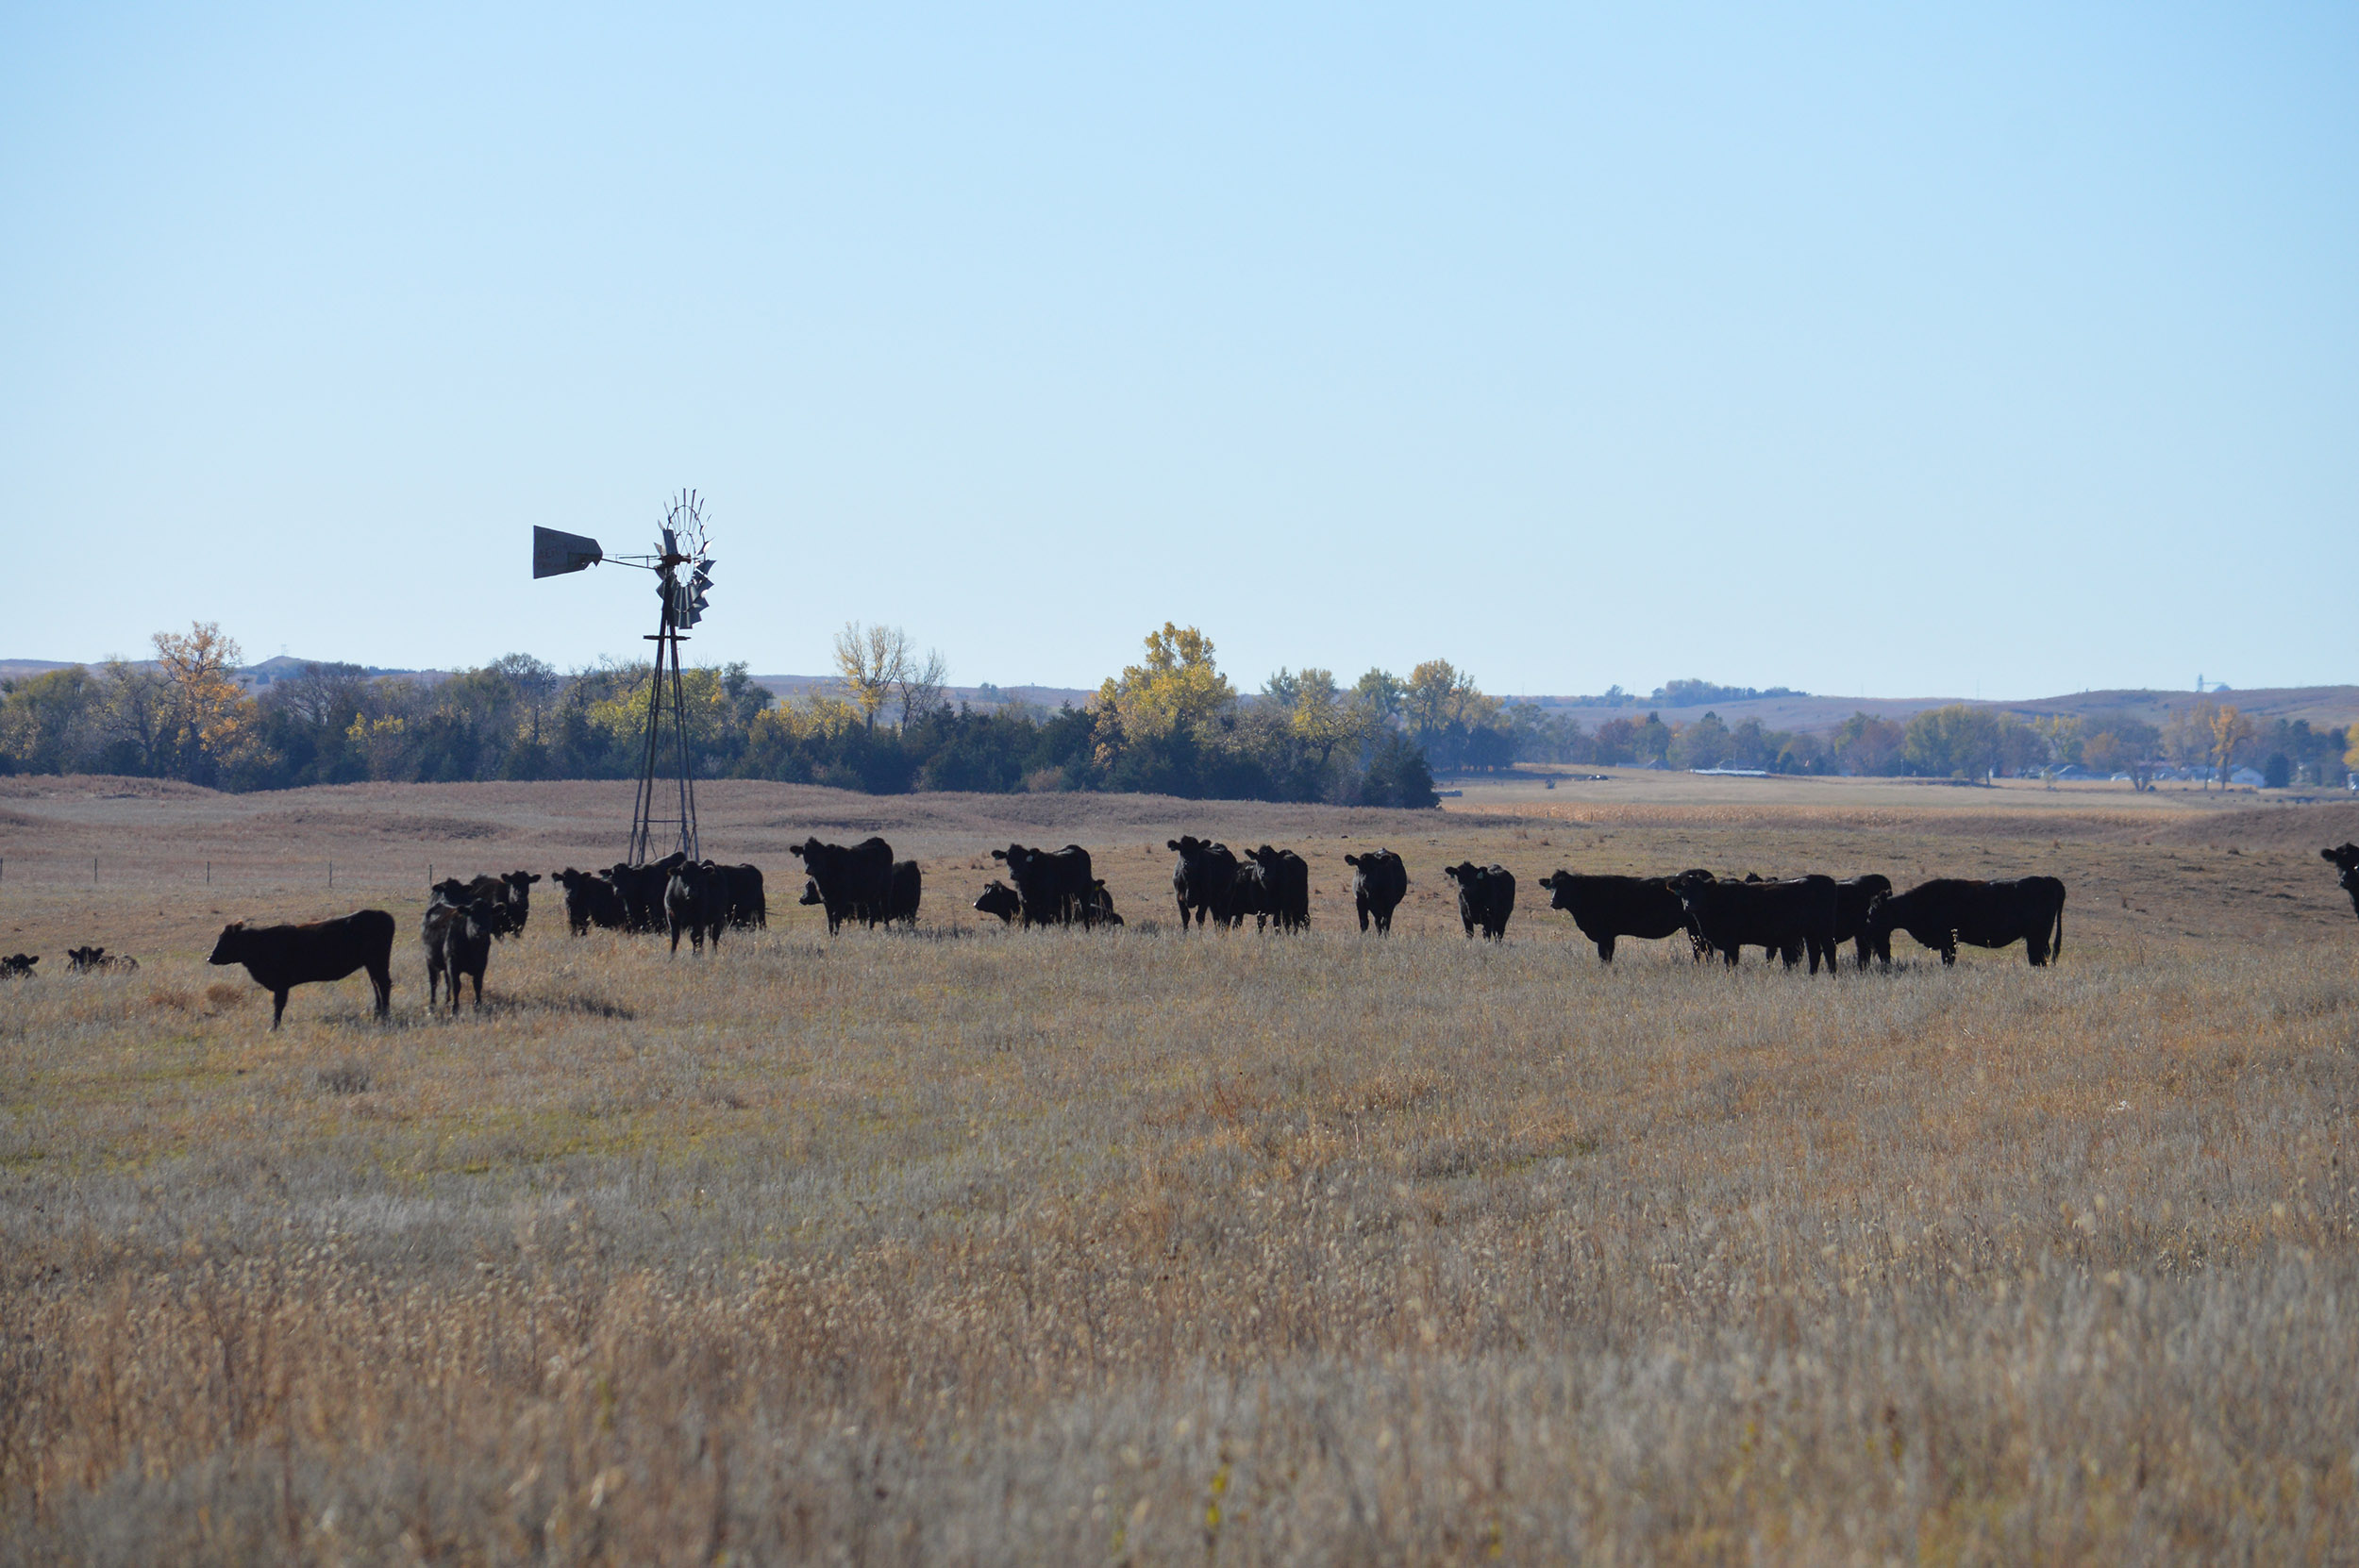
(510, 895)
(591, 899)
(458, 941)
(904, 889)
(749, 907)
(1851, 897)
(854, 883)
(1606, 908)
(2346, 860)
(1379, 882)
(18, 966)
(1951, 909)
(1486, 897)
(1790, 918)
(696, 903)
(1053, 883)
(283, 956)
(1287, 875)
(1202, 880)
(641, 888)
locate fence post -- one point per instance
(331, 874)
(94, 871)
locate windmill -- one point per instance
(665, 808)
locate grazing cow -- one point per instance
(998, 899)
(458, 941)
(18, 966)
(1608, 908)
(1379, 882)
(1053, 883)
(854, 884)
(902, 891)
(749, 908)
(1288, 877)
(696, 901)
(1851, 897)
(2346, 860)
(1951, 909)
(591, 899)
(1486, 897)
(281, 957)
(1788, 918)
(1202, 880)
(82, 960)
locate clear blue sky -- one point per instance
(1899, 350)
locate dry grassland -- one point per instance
(985, 1247)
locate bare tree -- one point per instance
(871, 662)
(921, 686)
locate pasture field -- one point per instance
(978, 1247)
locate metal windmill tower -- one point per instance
(663, 812)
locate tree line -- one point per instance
(1172, 723)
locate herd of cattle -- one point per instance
(1798, 919)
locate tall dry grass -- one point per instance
(1147, 1247)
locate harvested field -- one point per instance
(980, 1246)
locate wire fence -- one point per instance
(123, 873)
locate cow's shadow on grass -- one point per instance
(573, 1004)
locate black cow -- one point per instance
(458, 941)
(641, 888)
(1102, 906)
(1609, 908)
(854, 884)
(1053, 883)
(281, 957)
(1851, 897)
(1202, 880)
(83, 960)
(18, 966)
(696, 903)
(1251, 894)
(2346, 860)
(1951, 909)
(1486, 897)
(1789, 918)
(591, 899)
(749, 907)
(1288, 877)
(510, 895)
(1001, 900)
(1379, 883)
(902, 892)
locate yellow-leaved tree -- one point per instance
(2231, 732)
(1177, 689)
(205, 713)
